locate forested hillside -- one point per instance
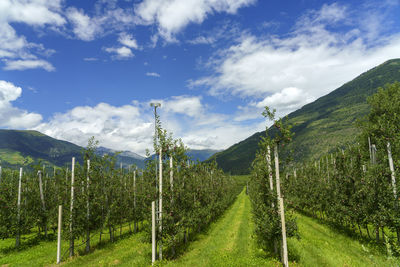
(320, 125)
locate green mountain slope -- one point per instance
(320, 125)
(19, 147)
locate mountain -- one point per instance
(19, 147)
(22, 147)
(321, 125)
(197, 154)
(125, 157)
(200, 154)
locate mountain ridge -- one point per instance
(320, 125)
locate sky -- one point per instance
(74, 69)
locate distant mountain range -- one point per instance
(22, 147)
(320, 125)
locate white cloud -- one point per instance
(107, 19)
(172, 16)
(120, 52)
(33, 12)
(28, 64)
(36, 13)
(153, 74)
(13, 117)
(84, 27)
(120, 128)
(313, 57)
(131, 127)
(128, 40)
(202, 40)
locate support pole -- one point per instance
(153, 232)
(17, 240)
(42, 199)
(281, 209)
(285, 260)
(87, 207)
(71, 240)
(160, 203)
(134, 200)
(59, 234)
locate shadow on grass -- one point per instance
(351, 232)
(27, 243)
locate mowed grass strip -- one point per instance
(228, 241)
(322, 245)
(44, 253)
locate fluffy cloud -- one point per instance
(313, 57)
(119, 52)
(131, 127)
(84, 27)
(107, 19)
(128, 40)
(37, 13)
(10, 116)
(172, 16)
(28, 64)
(120, 128)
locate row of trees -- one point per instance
(99, 195)
(272, 224)
(355, 186)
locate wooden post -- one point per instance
(160, 203)
(153, 232)
(134, 199)
(17, 240)
(42, 199)
(171, 176)
(0, 174)
(393, 185)
(285, 260)
(87, 207)
(392, 170)
(271, 181)
(278, 185)
(281, 208)
(373, 161)
(370, 148)
(59, 234)
(373, 154)
(71, 240)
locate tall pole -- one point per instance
(17, 241)
(157, 213)
(160, 203)
(59, 234)
(71, 240)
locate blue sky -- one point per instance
(75, 69)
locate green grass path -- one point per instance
(228, 242)
(321, 245)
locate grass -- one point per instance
(322, 245)
(14, 157)
(38, 252)
(227, 242)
